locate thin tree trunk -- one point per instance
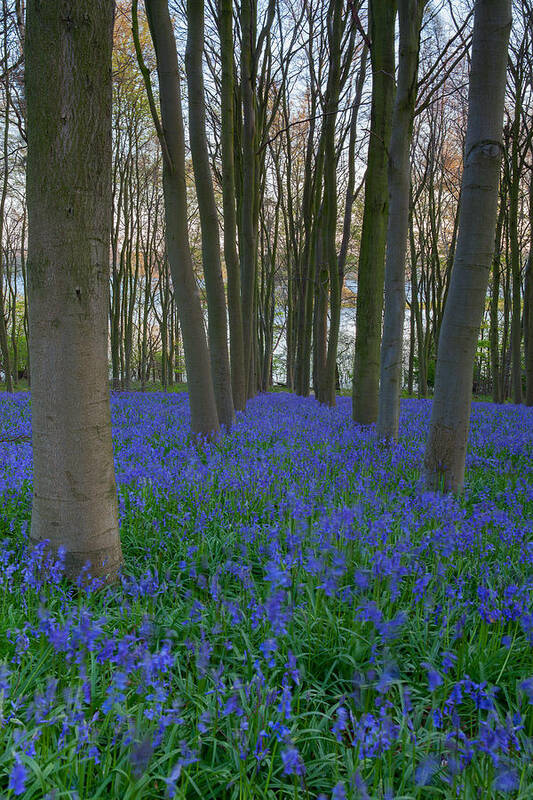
(410, 371)
(248, 244)
(410, 19)
(305, 273)
(528, 306)
(231, 256)
(516, 314)
(373, 236)
(4, 349)
(444, 461)
(204, 419)
(505, 350)
(327, 381)
(494, 307)
(68, 93)
(216, 300)
(422, 388)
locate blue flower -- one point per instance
(18, 777)
(426, 770)
(292, 761)
(434, 678)
(339, 792)
(507, 780)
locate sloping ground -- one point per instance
(296, 617)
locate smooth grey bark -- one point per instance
(68, 94)
(445, 455)
(204, 418)
(216, 299)
(231, 256)
(410, 19)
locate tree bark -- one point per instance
(68, 92)
(513, 179)
(410, 19)
(204, 419)
(373, 236)
(444, 461)
(248, 243)
(528, 307)
(231, 256)
(4, 348)
(494, 308)
(327, 381)
(216, 299)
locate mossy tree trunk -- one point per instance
(410, 19)
(370, 278)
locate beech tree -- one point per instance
(290, 140)
(370, 276)
(444, 460)
(231, 256)
(68, 95)
(399, 173)
(216, 299)
(4, 350)
(204, 418)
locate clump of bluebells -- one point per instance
(296, 618)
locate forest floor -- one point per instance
(297, 618)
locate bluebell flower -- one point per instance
(527, 687)
(18, 777)
(341, 723)
(506, 780)
(434, 678)
(426, 770)
(339, 791)
(292, 761)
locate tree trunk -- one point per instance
(494, 306)
(248, 244)
(216, 299)
(373, 236)
(4, 348)
(305, 264)
(528, 307)
(328, 392)
(445, 455)
(516, 314)
(231, 256)
(204, 419)
(410, 18)
(422, 386)
(68, 92)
